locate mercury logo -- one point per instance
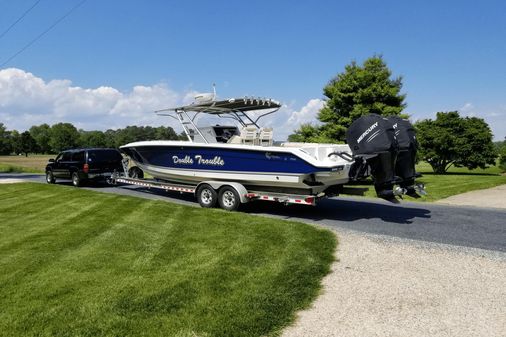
(366, 132)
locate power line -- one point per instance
(20, 18)
(43, 33)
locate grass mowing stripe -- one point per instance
(131, 267)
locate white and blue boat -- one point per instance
(241, 152)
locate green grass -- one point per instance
(21, 164)
(96, 264)
(9, 168)
(456, 181)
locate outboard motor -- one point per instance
(372, 141)
(405, 164)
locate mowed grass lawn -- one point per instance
(81, 263)
(456, 181)
(31, 164)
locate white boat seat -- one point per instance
(265, 137)
(249, 135)
(235, 140)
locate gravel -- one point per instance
(384, 286)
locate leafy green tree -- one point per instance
(42, 135)
(453, 140)
(306, 133)
(359, 90)
(63, 136)
(502, 158)
(92, 139)
(165, 133)
(15, 140)
(26, 143)
(5, 141)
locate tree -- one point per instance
(42, 135)
(165, 133)
(453, 140)
(63, 136)
(306, 133)
(358, 91)
(15, 140)
(26, 143)
(5, 142)
(502, 158)
(92, 139)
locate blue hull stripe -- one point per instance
(219, 159)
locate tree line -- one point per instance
(47, 139)
(448, 140)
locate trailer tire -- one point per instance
(135, 173)
(229, 199)
(206, 196)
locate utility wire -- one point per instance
(43, 33)
(20, 18)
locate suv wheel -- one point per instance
(50, 177)
(76, 181)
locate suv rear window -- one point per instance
(95, 156)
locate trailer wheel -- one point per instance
(206, 196)
(135, 173)
(229, 199)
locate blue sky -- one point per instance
(451, 54)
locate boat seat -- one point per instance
(235, 140)
(265, 137)
(249, 135)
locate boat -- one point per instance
(245, 153)
(240, 151)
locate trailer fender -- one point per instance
(239, 188)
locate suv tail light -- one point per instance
(86, 168)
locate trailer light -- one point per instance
(309, 200)
(86, 168)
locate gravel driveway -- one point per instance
(491, 197)
(384, 286)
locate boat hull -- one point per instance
(254, 167)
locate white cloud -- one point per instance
(27, 100)
(468, 109)
(307, 114)
(288, 118)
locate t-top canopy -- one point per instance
(228, 106)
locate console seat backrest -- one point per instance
(249, 135)
(265, 137)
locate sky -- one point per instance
(112, 63)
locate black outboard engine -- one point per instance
(372, 141)
(406, 158)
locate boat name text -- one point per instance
(199, 159)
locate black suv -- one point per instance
(81, 165)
